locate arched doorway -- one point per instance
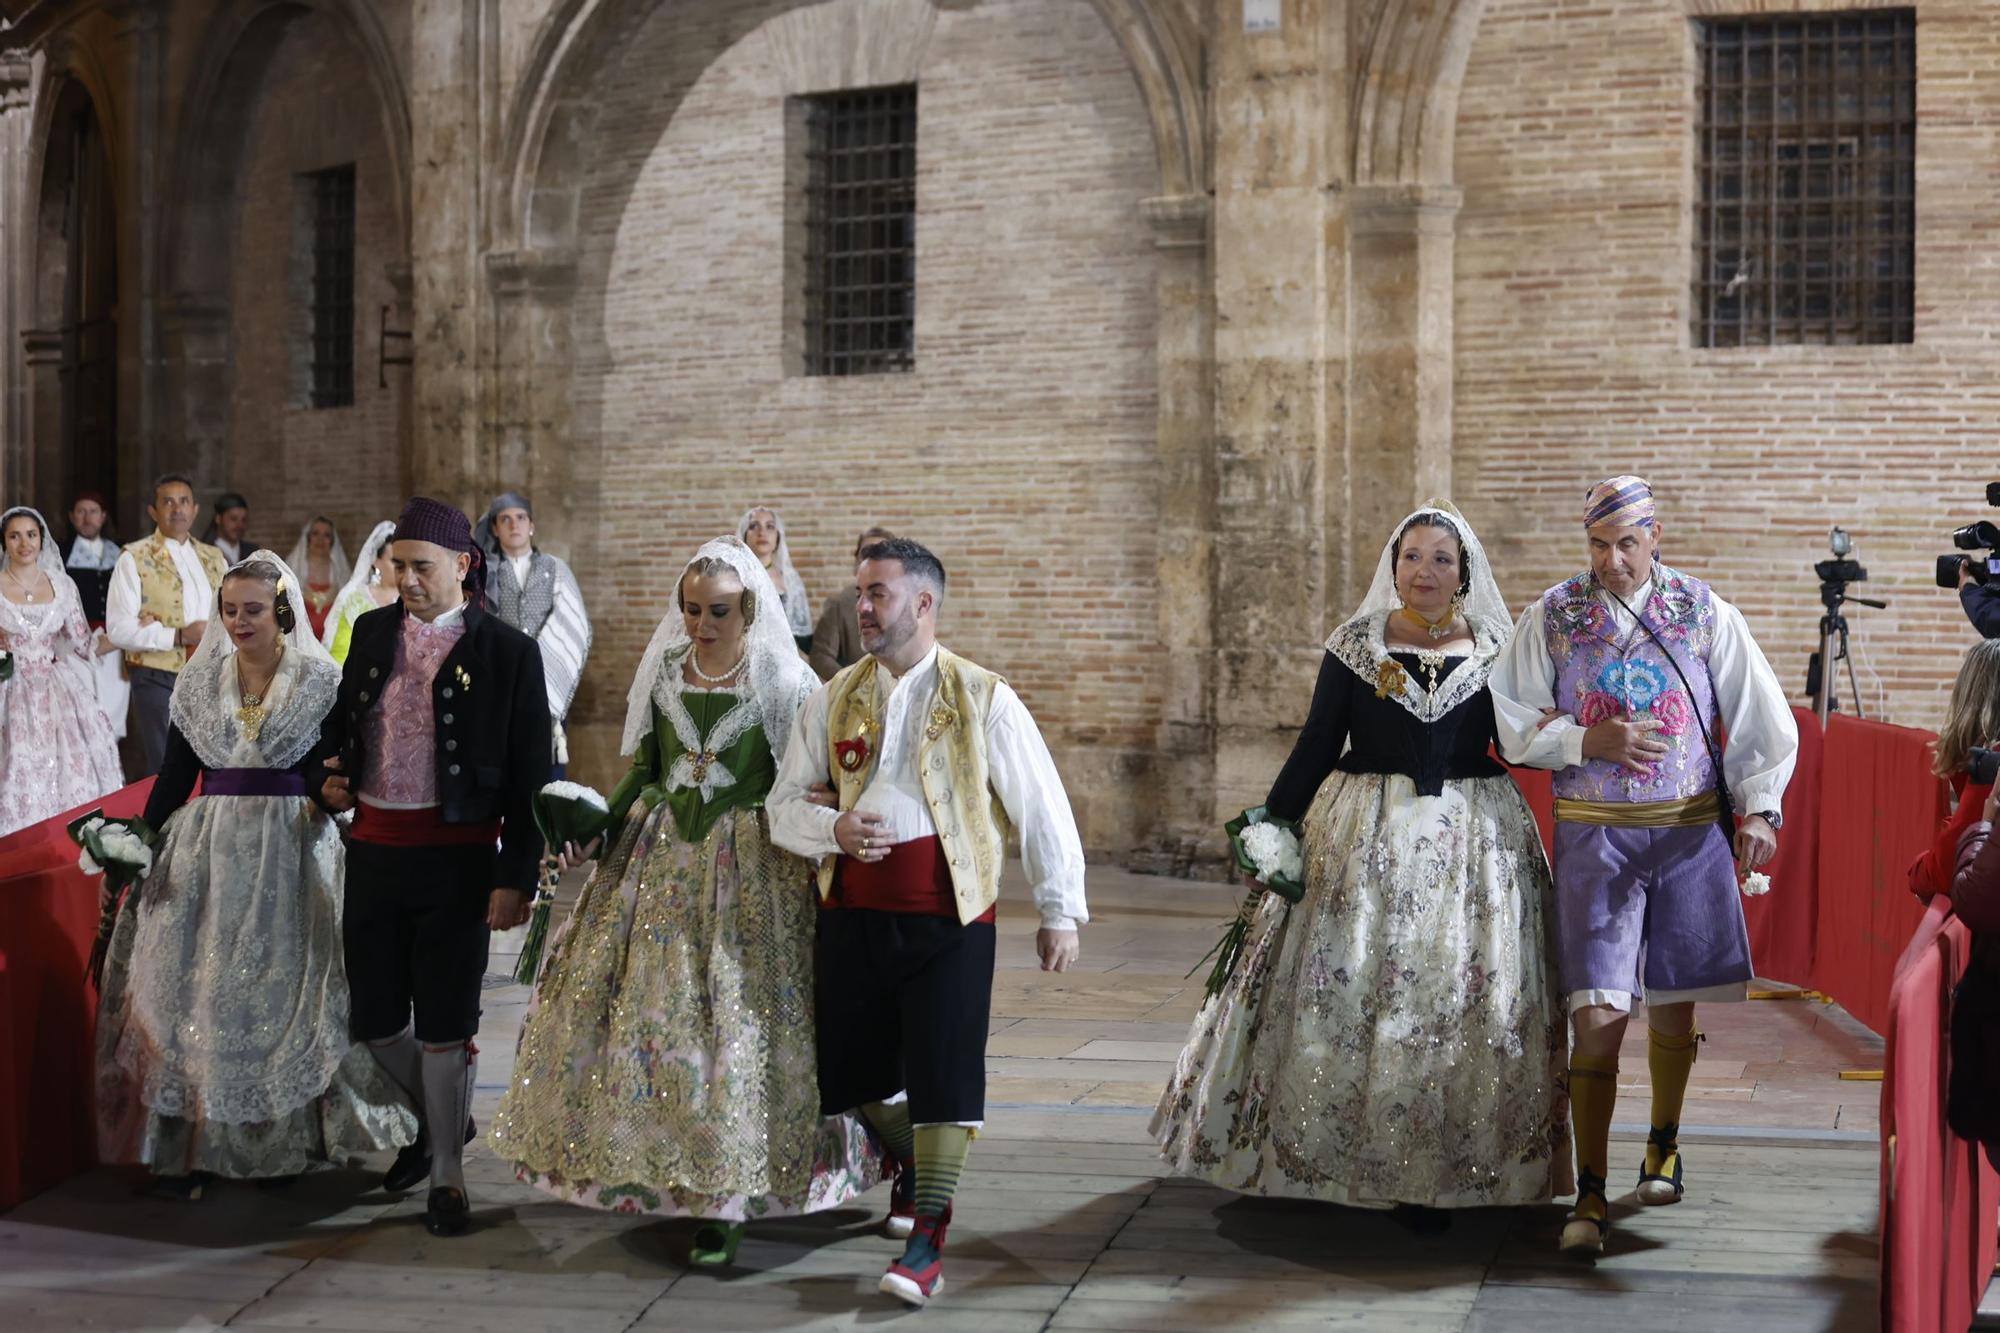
(72, 351)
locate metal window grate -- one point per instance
(333, 287)
(1805, 227)
(861, 223)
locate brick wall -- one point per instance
(1575, 149)
(292, 461)
(1022, 448)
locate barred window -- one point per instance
(332, 214)
(1805, 222)
(860, 231)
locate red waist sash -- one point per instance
(915, 877)
(418, 828)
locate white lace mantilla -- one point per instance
(208, 695)
(1360, 645)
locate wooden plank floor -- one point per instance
(1066, 1221)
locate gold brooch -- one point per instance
(464, 678)
(941, 717)
(1390, 679)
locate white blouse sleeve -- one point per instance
(797, 825)
(1523, 686)
(1763, 736)
(1024, 777)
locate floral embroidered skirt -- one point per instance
(1397, 1036)
(667, 1064)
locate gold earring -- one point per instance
(749, 608)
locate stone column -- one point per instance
(17, 219)
(1280, 479)
(1184, 760)
(447, 460)
(528, 388)
(1400, 360)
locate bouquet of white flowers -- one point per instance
(122, 851)
(1756, 884)
(565, 812)
(1268, 849)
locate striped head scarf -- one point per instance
(1621, 502)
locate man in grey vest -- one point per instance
(535, 593)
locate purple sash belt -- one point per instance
(252, 782)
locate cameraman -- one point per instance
(1980, 600)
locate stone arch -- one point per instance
(545, 134)
(217, 121)
(239, 43)
(1409, 66)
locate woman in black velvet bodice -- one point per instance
(1394, 1038)
(1385, 736)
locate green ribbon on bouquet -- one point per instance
(565, 812)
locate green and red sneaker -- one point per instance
(919, 1274)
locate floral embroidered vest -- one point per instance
(160, 594)
(1601, 676)
(951, 764)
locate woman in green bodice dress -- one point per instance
(667, 1064)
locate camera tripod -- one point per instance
(1833, 650)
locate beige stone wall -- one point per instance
(1022, 448)
(1575, 150)
(292, 460)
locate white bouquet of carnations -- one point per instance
(1756, 884)
(1274, 850)
(122, 851)
(565, 812)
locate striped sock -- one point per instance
(941, 1151)
(892, 1121)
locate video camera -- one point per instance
(1981, 536)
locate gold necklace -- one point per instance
(1437, 629)
(252, 714)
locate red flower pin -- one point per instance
(852, 754)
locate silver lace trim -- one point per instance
(1359, 645)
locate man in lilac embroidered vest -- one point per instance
(1620, 679)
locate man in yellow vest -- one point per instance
(935, 766)
(157, 607)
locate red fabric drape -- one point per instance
(1784, 922)
(1880, 809)
(48, 920)
(1940, 1197)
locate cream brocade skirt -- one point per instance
(1397, 1036)
(667, 1064)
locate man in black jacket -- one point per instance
(442, 735)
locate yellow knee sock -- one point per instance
(1593, 1093)
(1670, 1060)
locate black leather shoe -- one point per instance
(411, 1168)
(447, 1213)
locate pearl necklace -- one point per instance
(28, 593)
(694, 665)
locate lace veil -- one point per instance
(1359, 642)
(798, 609)
(362, 575)
(201, 692)
(50, 560)
(779, 682)
(337, 567)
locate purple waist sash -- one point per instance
(252, 782)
